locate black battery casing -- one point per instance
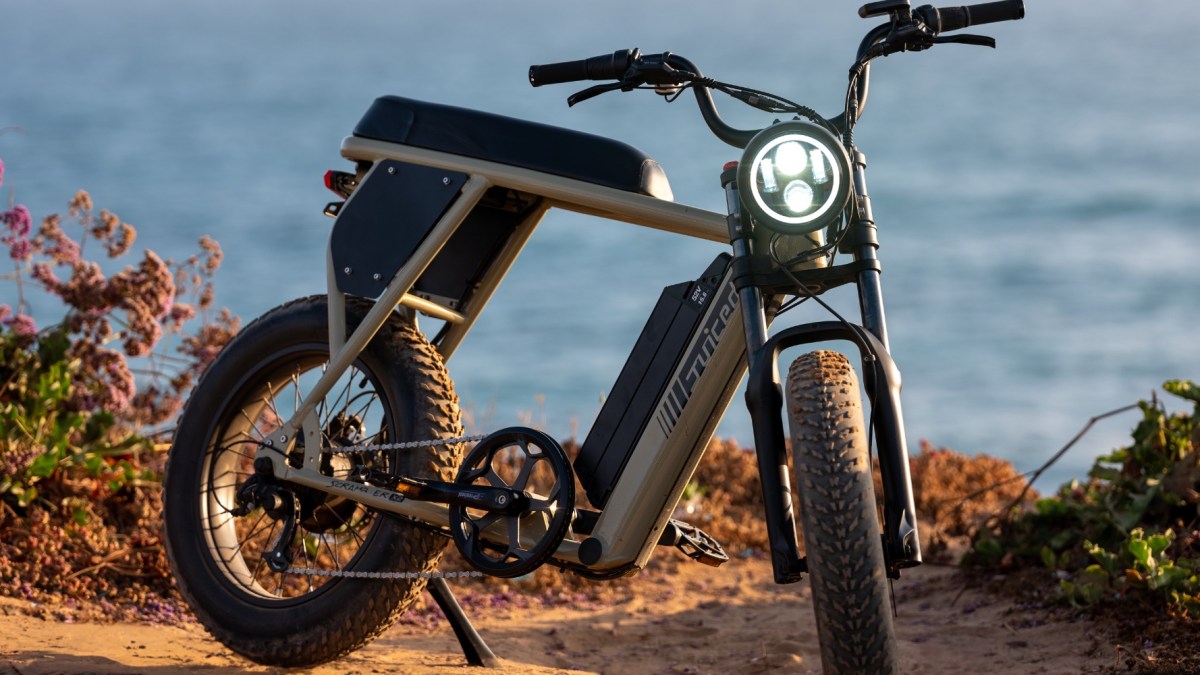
(647, 372)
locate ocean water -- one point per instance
(1037, 204)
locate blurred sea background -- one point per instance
(1037, 204)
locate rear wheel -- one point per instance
(396, 390)
(837, 510)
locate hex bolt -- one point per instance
(392, 170)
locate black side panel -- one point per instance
(385, 220)
(642, 381)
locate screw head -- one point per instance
(346, 270)
(502, 500)
(392, 170)
(446, 180)
(377, 276)
(283, 438)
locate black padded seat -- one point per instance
(506, 140)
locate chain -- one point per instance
(364, 449)
(352, 574)
(307, 571)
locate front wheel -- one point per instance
(221, 548)
(837, 511)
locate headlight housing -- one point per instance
(794, 177)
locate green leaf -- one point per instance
(1183, 389)
(1169, 576)
(1051, 506)
(1160, 542)
(1140, 550)
(44, 464)
(1128, 517)
(989, 549)
(1048, 558)
(26, 496)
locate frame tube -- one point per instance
(400, 284)
(565, 193)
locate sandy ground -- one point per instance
(730, 620)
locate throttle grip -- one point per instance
(942, 19)
(603, 67)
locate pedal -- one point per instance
(694, 543)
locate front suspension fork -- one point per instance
(764, 398)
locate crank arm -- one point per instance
(504, 501)
(427, 512)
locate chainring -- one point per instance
(530, 462)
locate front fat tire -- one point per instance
(316, 623)
(838, 513)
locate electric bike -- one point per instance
(321, 466)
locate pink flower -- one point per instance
(18, 220)
(5, 312)
(64, 251)
(180, 314)
(1, 172)
(19, 250)
(21, 325)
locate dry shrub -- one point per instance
(88, 552)
(731, 502)
(956, 494)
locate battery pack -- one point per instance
(634, 398)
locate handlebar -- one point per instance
(603, 67)
(943, 19)
(909, 30)
(667, 68)
(917, 29)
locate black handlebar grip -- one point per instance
(942, 19)
(604, 67)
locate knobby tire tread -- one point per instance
(839, 517)
(373, 605)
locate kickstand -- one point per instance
(473, 646)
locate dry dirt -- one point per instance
(698, 620)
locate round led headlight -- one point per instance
(794, 177)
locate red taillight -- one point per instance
(340, 183)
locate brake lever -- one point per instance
(592, 92)
(966, 39)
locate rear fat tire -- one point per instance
(331, 616)
(838, 513)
